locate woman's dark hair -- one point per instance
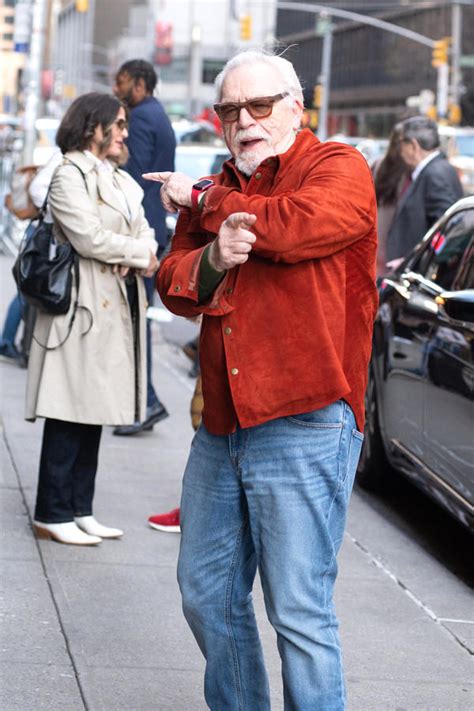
(390, 170)
(140, 69)
(88, 111)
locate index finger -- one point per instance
(238, 218)
(158, 177)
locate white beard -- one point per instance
(247, 164)
(249, 161)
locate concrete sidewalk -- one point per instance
(101, 628)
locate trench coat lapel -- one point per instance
(132, 191)
(108, 194)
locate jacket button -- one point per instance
(177, 288)
(234, 371)
(229, 291)
(258, 176)
(227, 331)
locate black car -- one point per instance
(419, 400)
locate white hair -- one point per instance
(258, 56)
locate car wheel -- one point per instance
(373, 469)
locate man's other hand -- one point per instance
(233, 242)
(175, 191)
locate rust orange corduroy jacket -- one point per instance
(290, 330)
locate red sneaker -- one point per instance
(166, 522)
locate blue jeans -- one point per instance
(12, 322)
(274, 497)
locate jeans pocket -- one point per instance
(355, 448)
(330, 417)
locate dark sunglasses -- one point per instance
(258, 108)
(121, 124)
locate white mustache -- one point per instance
(243, 135)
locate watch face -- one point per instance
(203, 184)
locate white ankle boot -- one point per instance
(67, 533)
(94, 528)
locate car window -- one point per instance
(218, 163)
(465, 277)
(445, 256)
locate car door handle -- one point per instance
(400, 355)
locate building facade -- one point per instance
(374, 72)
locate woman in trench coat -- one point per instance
(95, 373)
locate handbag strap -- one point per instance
(77, 277)
(73, 315)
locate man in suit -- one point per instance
(151, 144)
(433, 188)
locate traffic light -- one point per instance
(246, 27)
(455, 114)
(317, 95)
(82, 5)
(440, 52)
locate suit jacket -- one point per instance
(151, 143)
(435, 189)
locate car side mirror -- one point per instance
(458, 305)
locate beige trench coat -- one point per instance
(91, 379)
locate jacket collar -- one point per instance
(304, 140)
(84, 162)
(131, 191)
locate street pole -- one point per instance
(442, 92)
(33, 79)
(456, 24)
(325, 82)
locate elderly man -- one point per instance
(434, 186)
(278, 254)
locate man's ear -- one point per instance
(297, 113)
(139, 87)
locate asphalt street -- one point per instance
(101, 629)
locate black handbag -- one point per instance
(43, 268)
(43, 272)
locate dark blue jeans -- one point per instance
(68, 466)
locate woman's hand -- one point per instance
(121, 269)
(152, 267)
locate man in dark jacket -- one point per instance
(434, 187)
(151, 143)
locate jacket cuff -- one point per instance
(209, 277)
(185, 284)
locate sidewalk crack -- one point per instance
(419, 603)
